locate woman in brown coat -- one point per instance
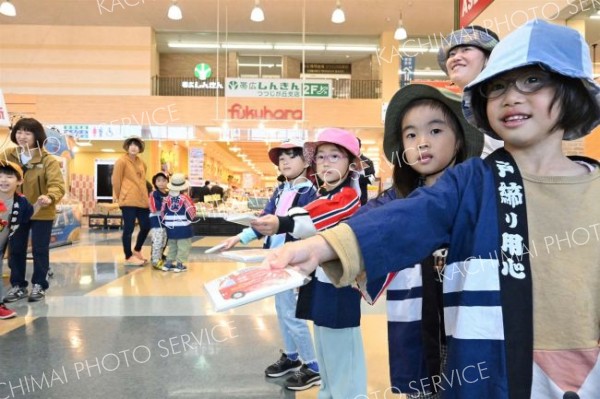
(42, 181)
(130, 192)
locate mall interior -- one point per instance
(210, 91)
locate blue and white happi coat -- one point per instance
(460, 212)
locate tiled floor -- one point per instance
(110, 331)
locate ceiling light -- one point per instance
(338, 47)
(8, 9)
(418, 50)
(193, 45)
(107, 150)
(292, 46)
(338, 16)
(84, 144)
(424, 72)
(174, 11)
(247, 46)
(257, 14)
(400, 33)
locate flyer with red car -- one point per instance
(251, 284)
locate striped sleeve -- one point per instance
(324, 212)
(190, 208)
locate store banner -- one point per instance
(278, 88)
(4, 119)
(85, 132)
(470, 9)
(407, 66)
(196, 166)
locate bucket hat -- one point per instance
(392, 138)
(159, 174)
(340, 137)
(286, 145)
(137, 140)
(556, 48)
(481, 38)
(178, 182)
(11, 165)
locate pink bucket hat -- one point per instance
(340, 137)
(286, 145)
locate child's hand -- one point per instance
(266, 225)
(230, 242)
(300, 255)
(43, 200)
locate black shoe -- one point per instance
(15, 293)
(37, 293)
(303, 379)
(283, 366)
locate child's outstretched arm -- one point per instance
(304, 255)
(336, 250)
(319, 215)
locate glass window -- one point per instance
(259, 66)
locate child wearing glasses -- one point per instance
(335, 312)
(521, 298)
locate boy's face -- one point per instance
(9, 183)
(522, 119)
(332, 164)
(161, 183)
(291, 166)
(464, 63)
(25, 139)
(429, 142)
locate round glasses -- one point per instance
(331, 158)
(526, 83)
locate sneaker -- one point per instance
(178, 268)
(37, 293)
(15, 293)
(134, 261)
(160, 265)
(283, 366)
(6, 313)
(138, 254)
(303, 379)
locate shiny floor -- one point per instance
(111, 331)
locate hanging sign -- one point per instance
(278, 88)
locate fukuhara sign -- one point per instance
(278, 88)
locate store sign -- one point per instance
(337, 69)
(84, 132)
(4, 119)
(195, 166)
(239, 111)
(407, 66)
(201, 85)
(278, 88)
(203, 71)
(470, 9)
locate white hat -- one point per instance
(178, 182)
